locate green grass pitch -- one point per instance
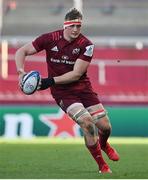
(46, 158)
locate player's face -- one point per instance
(74, 31)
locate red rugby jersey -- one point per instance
(61, 56)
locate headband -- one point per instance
(72, 22)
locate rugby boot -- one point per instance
(111, 152)
(105, 169)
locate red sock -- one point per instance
(95, 151)
(103, 137)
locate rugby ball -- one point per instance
(30, 82)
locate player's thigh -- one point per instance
(99, 116)
(73, 106)
(82, 117)
(66, 101)
(79, 113)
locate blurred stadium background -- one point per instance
(119, 70)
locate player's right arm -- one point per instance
(21, 55)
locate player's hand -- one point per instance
(39, 85)
(21, 76)
(45, 83)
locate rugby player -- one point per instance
(68, 56)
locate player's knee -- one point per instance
(106, 131)
(104, 124)
(86, 123)
(87, 126)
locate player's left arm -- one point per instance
(79, 69)
(80, 66)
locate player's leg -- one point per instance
(102, 122)
(79, 114)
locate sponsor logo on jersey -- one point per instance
(62, 61)
(89, 50)
(76, 51)
(65, 57)
(55, 48)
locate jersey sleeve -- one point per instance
(87, 52)
(41, 42)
